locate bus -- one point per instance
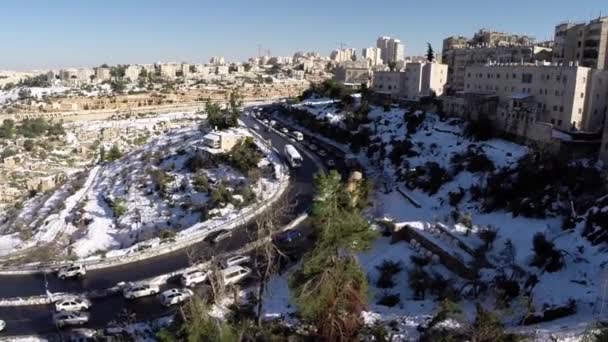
(293, 156)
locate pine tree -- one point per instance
(430, 54)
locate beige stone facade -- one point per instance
(583, 43)
(416, 81)
(568, 97)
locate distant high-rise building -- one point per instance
(585, 43)
(392, 50)
(373, 55)
(217, 60)
(343, 55)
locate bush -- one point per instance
(466, 220)
(401, 149)
(119, 206)
(488, 236)
(545, 255)
(413, 121)
(245, 155)
(454, 197)
(481, 129)
(200, 182)
(167, 234)
(389, 300)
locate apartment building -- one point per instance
(585, 43)
(168, 70)
(102, 74)
(485, 46)
(217, 60)
(415, 81)
(604, 145)
(352, 74)
(343, 55)
(391, 49)
(132, 72)
(571, 98)
(372, 55)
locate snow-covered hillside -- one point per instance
(430, 177)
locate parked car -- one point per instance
(284, 130)
(134, 290)
(238, 260)
(224, 234)
(322, 153)
(256, 127)
(174, 296)
(265, 122)
(234, 274)
(73, 304)
(193, 277)
(72, 271)
(312, 147)
(65, 318)
(287, 237)
(2, 325)
(272, 123)
(331, 163)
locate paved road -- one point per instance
(37, 319)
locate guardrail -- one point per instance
(156, 280)
(157, 250)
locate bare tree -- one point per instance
(267, 255)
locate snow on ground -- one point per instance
(438, 141)
(129, 181)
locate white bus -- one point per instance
(293, 156)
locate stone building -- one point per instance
(415, 81)
(585, 43)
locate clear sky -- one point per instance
(59, 33)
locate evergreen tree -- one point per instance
(102, 154)
(114, 153)
(430, 54)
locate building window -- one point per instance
(555, 108)
(553, 121)
(526, 78)
(561, 109)
(582, 95)
(559, 122)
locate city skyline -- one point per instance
(43, 35)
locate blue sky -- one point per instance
(58, 33)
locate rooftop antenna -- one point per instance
(259, 50)
(341, 44)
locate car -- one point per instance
(284, 130)
(322, 153)
(312, 147)
(256, 127)
(272, 123)
(72, 271)
(331, 163)
(234, 274)
(2, 325)
(224, 234)
(73, 304)
(193, 277)
(299, 136)
(289, 236)
(265, 122)
(64, 318)
(238, 260)
(175, 296)
(135, 290)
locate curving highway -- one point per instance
(36, 319)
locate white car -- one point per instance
(133, 291)
(284, 130)
(272, 123)
(238, 260)
(222, 236)
(234, 274)
(2, 325)
(322, 153)
(331, 163)
(256, 127)
(175, 296)
(193, 277)
(62, 319)
(265, 122)
(72, 271)
(313, 147)
(73, 304)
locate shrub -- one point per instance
(480, 129)
(466, 220)
(389, 300)
(167, 234)
(488, 236)
(401, 149)
(389, 267)
(119, 206)
(545, 254)
(454, 197)
(413, 121)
